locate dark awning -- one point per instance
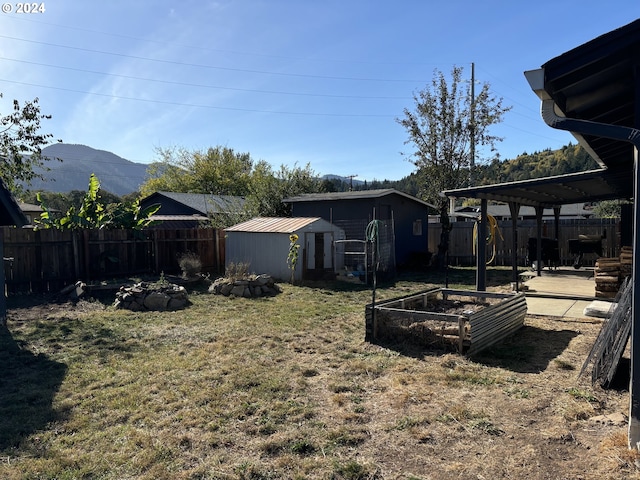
(595, 82)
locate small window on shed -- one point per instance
(417, 227)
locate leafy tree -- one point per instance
(163, 176)
(218, 171)
(21, 144)
(328, 185)
(222, 171)
(442, 129)
(269, 188)
(55, 201)
(608, 209)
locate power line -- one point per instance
(208, 49)
(195, 105)
(199, 85)
(211, 67)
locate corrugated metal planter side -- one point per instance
(467, 332)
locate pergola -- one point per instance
(592, 91)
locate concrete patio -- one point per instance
(564, 292)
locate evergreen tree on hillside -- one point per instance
(571, 158)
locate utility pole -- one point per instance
(472, 128)
(351, 177)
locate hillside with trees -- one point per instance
(571, 158)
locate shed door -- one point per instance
(319, 253)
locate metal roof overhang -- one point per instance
(595, 88)
(598, 82)
(590, 186)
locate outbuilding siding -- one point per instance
(263, 244)
(410, 216)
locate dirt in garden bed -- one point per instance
(457, 306)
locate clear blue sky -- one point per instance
(288, 81)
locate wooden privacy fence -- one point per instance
(461, 240)
(47, 260)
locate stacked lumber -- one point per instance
(626, 261)
(607, 275)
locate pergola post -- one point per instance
(481, 252)
(514, 209)
(634, 383)
(556, 216)
(539, 212)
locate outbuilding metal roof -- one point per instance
(352, 195)
(204, 203)
(273, 224)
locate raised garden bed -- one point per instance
(466, 321)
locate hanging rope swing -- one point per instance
(494, 232)
(372, 234)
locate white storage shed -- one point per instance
(263, 244)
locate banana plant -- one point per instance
(94, 214)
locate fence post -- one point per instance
(220, 250)
(76, 254)
(156, 252)
(85, 245)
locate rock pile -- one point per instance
(251, 287)
(145, 296)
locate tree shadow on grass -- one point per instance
(28, 384)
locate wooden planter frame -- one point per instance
(467, 332)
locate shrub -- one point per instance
(237, 271)
(190, 264)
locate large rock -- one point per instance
(153, 297)
(156, 301)
(251, 287)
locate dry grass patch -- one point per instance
(285, 387)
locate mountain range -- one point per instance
(70, 167)
(116, 174)
(120, 176)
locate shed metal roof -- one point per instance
(352, 195)
(274, 224)
(203, 203)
